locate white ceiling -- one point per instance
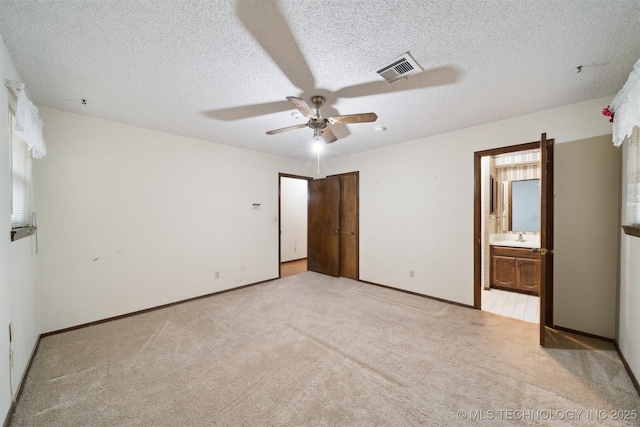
(220, 70)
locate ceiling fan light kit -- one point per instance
(319, 124)
(317, 134)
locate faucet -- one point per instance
(520, 239)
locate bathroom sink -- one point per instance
(530, 240)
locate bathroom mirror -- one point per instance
(524, 209)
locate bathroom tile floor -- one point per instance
(511, 304)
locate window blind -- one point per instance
(21, 176)
(633, 193)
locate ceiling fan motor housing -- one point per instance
(317, 101)
(317, 123)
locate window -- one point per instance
(633, 185)
(21, 183)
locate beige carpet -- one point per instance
(320, 351)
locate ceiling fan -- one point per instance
(319, 124)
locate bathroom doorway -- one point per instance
(513, 232)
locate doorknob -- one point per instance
(541, 251)
(336, 232)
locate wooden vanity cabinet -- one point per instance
(515, 269)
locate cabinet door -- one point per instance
(503, 271)
(527, 274)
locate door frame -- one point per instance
(280, 176)
(546, 235)
(546, 295)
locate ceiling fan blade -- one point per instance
(269, 27)
(302, 106)
(276, 131)
(328, 136)
(353, 118)
(248, 111)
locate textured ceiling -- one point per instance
(220, 70)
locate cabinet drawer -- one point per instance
(514, 252)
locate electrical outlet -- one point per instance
(412, 273)
(217, 274)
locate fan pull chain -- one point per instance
(318, 171)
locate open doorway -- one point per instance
(505, 257)
(510, 231)
(292, 217)
(318, 225)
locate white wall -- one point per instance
(416, 198)
(629, 317)
(18, 265)
(293, 218)
(587, 226)
(132, 218)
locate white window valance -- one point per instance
(626, 107)
(29, 125)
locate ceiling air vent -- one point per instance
(401, 67)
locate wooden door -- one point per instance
(349, 225)
(546, 235)
(323, 238)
